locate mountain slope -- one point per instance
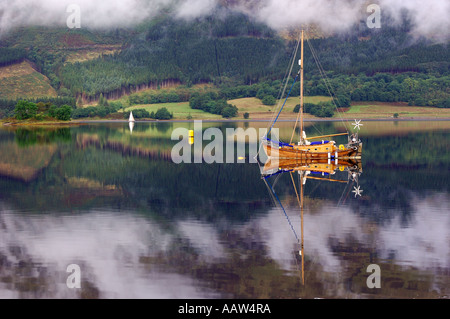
(21, 80)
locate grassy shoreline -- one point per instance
(367, 111)
(84, 122)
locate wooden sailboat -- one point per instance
(317, 147)
(312, 158)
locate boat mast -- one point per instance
(301, 221)
(300, 200)
(300, 112)
(301, 92)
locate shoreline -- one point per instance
(99, 121)
(265, 120)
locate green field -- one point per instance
(387, 110)
(257, 110)
(180, 111)
(251, 105)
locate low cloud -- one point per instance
(429, 18)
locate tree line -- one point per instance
(161, 114)
(211, 103)
(25, 110)
(7, 107)
(11, 55)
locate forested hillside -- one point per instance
(385, 64)
(188, 52)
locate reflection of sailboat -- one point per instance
(131, 125)
(317, 169)
(310, 167)
(305, 149)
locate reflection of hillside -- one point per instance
(372, 128)
(24, 163)
(83, 190)
(155, 152)
(402, 128)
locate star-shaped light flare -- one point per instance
(357, 191)
(357, 125)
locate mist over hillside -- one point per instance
(428, 18)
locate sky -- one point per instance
(428, 17)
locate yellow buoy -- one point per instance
(191, 133)
(341, 147)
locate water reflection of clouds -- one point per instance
(203, 237)
(108, 247)
(319, 228)
(423, 242)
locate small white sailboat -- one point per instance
(131, 122)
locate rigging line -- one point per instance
(295, 80)
(348, 192)
(280, 95)
(320, 67)
(296, 193)
(284, 211)
(331, 91)
(346, 188)
(321, 71)
(340, 198)
(315, 187)
(318, 131)
(270, 192)
(276, 180)
(325, 79)
(288, 71)
(295, 189)
(286, 78)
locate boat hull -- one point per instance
(305, 152)
(322, 166)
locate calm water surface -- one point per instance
(140, 226)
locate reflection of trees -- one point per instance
(393, 167)
(429, 149)
(163, 127)
(26, 137)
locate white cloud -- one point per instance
(429, 17)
